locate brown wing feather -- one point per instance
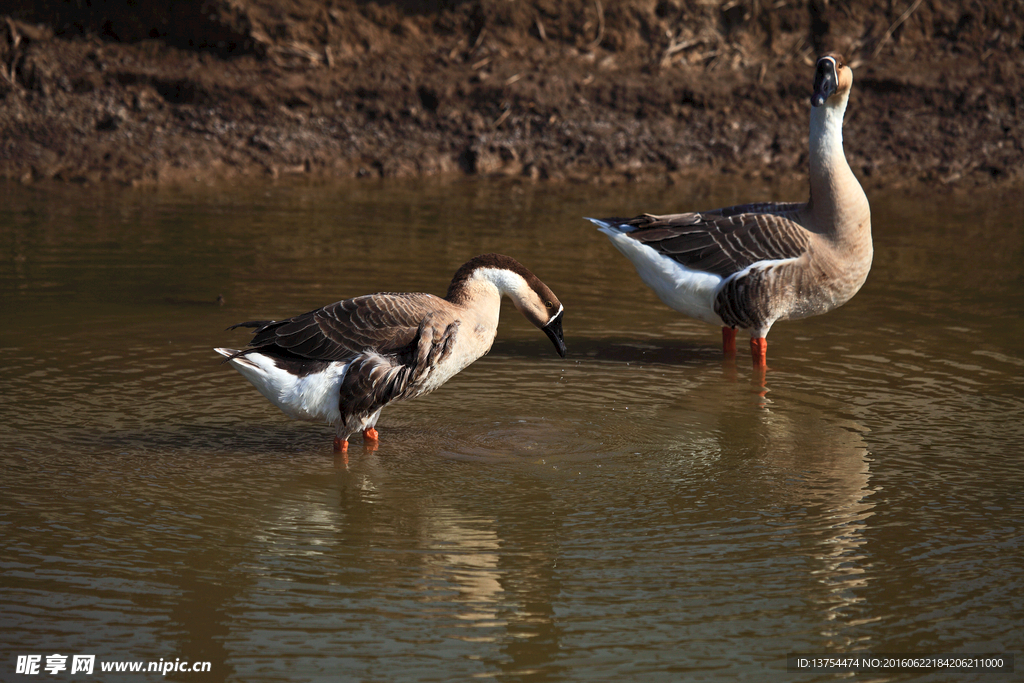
(384, 323)
(724, 241)
(374, 380)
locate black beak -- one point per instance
(554, 331)
(825, 81)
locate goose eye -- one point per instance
(549, 304)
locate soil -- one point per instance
(594, 90)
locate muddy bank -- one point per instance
(580, 89)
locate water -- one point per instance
(643, 509)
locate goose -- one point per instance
(343, 363)
(751, 265)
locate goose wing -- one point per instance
(724, 241)
(374, 380)
(384, 323)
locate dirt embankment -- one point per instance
(574, 89)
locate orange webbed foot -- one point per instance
(340, 445)
(370, 434)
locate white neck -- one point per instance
(480, 305)
(837, 199)
(826, 143)
(505, 282)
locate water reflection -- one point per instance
(805, 473)
(487, 579)
(830, 465)
(467, 555)
(644, 509)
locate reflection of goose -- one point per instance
(343, 363)
(751, 265)
(466, 554)
(826, 464)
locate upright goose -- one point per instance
(751, 265)
(344, 362)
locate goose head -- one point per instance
(531, 297)
(833, 78)
(541, 307)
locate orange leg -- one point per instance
(370, 434)
(729, 340)
(340, 445)
(341, 460)
(759, 351)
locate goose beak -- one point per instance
(554, 331)
(825, 81)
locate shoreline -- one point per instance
(642, 91)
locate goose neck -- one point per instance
(836, 196)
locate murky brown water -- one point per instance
(641, 510)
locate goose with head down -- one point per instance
(343, 363)
(751, 265)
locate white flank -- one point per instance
(691, 292)
(313, 397)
